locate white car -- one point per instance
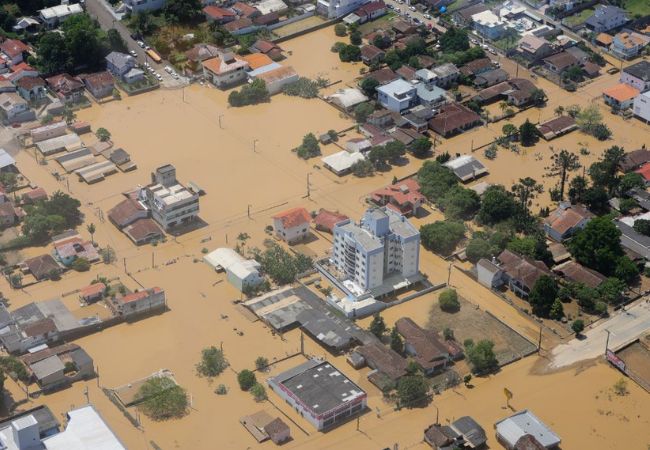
(484, 46)
(159, 77)
(427, 16)
(140, 43)
(493, 51)
(146, 47)
(168, 69)
(133, 53)
(151, 69)
(412, 8)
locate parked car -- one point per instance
(412, 8)
(427, 16)
(133, 53)
(613, 70)
(416, 20)
(493, 51)
(141, 44)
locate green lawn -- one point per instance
(579, 18)
(381, 23)
(637, 8)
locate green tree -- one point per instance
(630, 181)
(362, 111)
(53, 54)
(528, 134)
(578, 326)
(420, 147)
(162, 399)
(143, 23)
(435, 180)
(212, 363)
(84, 41)
(350, 53)
(532, 246)
(412, 390)
(91, 230)
(395, 150)
(261, 363)
(626, 270)
(115, 41)
(182, 11)
(368, 86)
(598, 245)
(538, 97)
(355, 37)
(377, 326)
(103, 134)
(396, 341)
(577, 189)
(454, 40)
(478, 248)
(442, 236)
(378, 156)
(363, 168)
(460, 203)
(309, 147)
(280, 265)
(340, 30)
(525, 192)
(246, 379)
(509, 130)
(448, 301)
(604, 173)
(381, 41)
(481, 356)
(642, 226)
(258, 391)
(543, 295)
(250, 94)
(497, 205)
(81, 265)
(611, 290)
(587, 118)
(597, 199)
(626, 205)
(557, 310)
(561, 165)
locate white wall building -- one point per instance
(241, 272)
(53, 16)
(333, 9)
(488, 24)
(85, 430)
(292, 225)
(171, 203)
(383, 244)
(642, 106)
(137, 6)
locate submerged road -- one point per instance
(624, 327)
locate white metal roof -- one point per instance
(230, 260)
(525, 422)
(60, 11)
(342, 160)
(6, 159)
(346, 98)
(86, 430)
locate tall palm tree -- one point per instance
(91, 229)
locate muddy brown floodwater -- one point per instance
(247, 161)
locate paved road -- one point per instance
(107, 20)
(624, 327)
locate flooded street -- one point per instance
(242, 158)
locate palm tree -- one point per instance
(91, 229)
(503, 106)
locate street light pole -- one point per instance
(607, 341)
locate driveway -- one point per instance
(624, 327)
(107, 19)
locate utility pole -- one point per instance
(124, 260)
(255, 145)
(153, 264)
(220, 124)
(86, 394)
(249, 211)
(607, 341)
(308, 186)
(97, 372)
(449, 274)
(539, 342)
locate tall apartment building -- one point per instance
(171, 204)
(381, 245)
(333, 9)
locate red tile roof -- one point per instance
(370, 8)
(403, 193)
(36, 194)
(238, 24)
(293, 217)
(30, 82)
(644, 171)
(563, 219)
(135, 296)
(218, 13)
(244, 9)
(265, 46)
(621, 92)
(13, 47)
(326, 220)
(92, 290)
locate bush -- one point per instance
(448, 301)
(340, 30)
(81, 265)
(250, 94)
(103, 134)
(221, 390)
(162, 399)
(578, 326)
(481, 356)
(213, 362)
(246, 379)
(363, 168)
(261, 363)
(442, 236)
(258, 392)
(13, 367)
(304, 88)
(309, 147)
(412, 390)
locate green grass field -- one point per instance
(381, 23)
(637, 8)
(579, 18)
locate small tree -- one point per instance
(412, 390)
(467, 378)
(396, 341)
(162, 399)
(81, 265)
(377, 326)
(362, 111)
(355, 37)
(448, 334)
(91, 229)
(448, 301)
(557, 310)
(258, 392)
(420, 147)
(578, 326)
(620, 387)
(481, 356)
(246, 379)
(340, 30)
(212, 363)
(528, 134)
(261, 363)
(103, 134)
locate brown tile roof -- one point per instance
(41, 266)
(371, 52)
(245, 9)
(472, 67)
(440, 436)
(30, 82)
(325, 220)
(31, 358)
(275, 427)
(452, 117)
(522, 268)
(201, 52)
(384, 360)
(293, 217)
(430, 350)
(383, 76)
(564, 219)
(406, 72)
(36, 194)
(267, 19)
(39, 327)
(125, 212)
(13, 47)
(370, 8)
(634, 159)
(579, 274)
(528, 442)
(265, 46)
(556, 126)
(92, 290)
(99, 80)
(605, 39)
(561, 60)
(64, 83)
(217, 13)
(143, 229)
(238, 24)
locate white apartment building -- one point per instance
(381, 245)
(333, 9)
(171, 203)
(642, 106)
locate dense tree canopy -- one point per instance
(460, 203)
(481, 357)
(182, 11)
(454, 40)
(497, 205)
(543, 295)
(598, 245)
(163, 399)
(412, 390)
(435, 180)
(442, 236)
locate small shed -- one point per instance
(489, 274)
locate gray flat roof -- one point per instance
(319, 386)
(47, 367)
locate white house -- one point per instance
(488, 24)
(241, 272)
(13, 108)
(139, 302)
(637, 75)
(341, 162)
(53, 16)
(489, 274)
(225, 70)
(171, 204)
(277, 79)
(292, 225)
(333, 9)
(397, 95)
(642, 106)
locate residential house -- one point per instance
(397, 95)
(628, 44)
(226, 70)
(123, 66)
(466, 168)
(325, 220)
(560, 62)
(219, 15)
(59, 366)
(14, 109)
(52, 17)
(241, 272)
(605, 18)
(139, 302)
(579, 54)
(85, 428)
(371, 55)
(245, 10)
(92, 293)
(557, 127)
(268, 48)
(453, 118)
(347, 98)
(126, 212)
(292, 225)
(27, 25)
(32, 196)
(341, 163)
(423, 345)
(464, 432)
(263, 427)
(141, 6)
(476, 67)
(382, 245)
(371, 11)
(333, 9)
(513, 428)
(620, 96)
(403, 197)
(632, 240)
(489, 273)
(634, 159)
(277, 79)
(637, 75)
(518, 92)
(68, 250)
(383, 76)
(403, 28)
(41, 267)
(406, 73)
(14, 50)
(566, 220)
(67, 88)
(446, 74)
(642, 106)
(100, 84)
(463, 17)
(577, 273)
(10, 214)
(144, 231)
(488, 25)
(358, 145)
(387, 365)
(272, 6)
(490, 78)
(604, 40)
(534, 48)
(239, 26)
(19, 71)
(268, 19)
(521, 272)
(31, 89)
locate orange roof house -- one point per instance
(257, 60)
(403, 197)
(622, 95)
(292, 225)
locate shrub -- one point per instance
(578, 326)
(81, 265)
(221, 390)
(162, 399)
(261, 363)
(213, 362)
(448, 300)
(246, 379)
(258, 392)
(340, 30)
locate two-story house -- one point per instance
(225, 70)
(637, 75)
(123, 67)
(397, 95)
(606, 17)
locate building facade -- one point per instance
(171, 203)
(138, 6)
(642, 106)
(384, 243)
(139, 302)
(397, 95)
(333, 9)
(637, 75)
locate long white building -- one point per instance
(381, 245)
(333, 9)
